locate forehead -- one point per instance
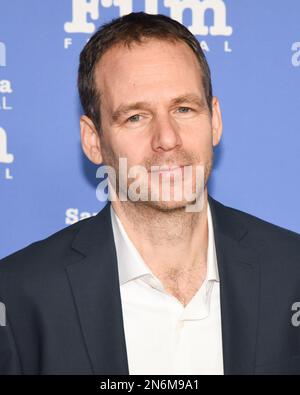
(154, 68)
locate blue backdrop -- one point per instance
(253, 47)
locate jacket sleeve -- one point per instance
(9, 358)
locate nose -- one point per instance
(166, 135)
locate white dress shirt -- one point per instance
(162, 336)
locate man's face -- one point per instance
(154, 112)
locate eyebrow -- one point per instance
(124, 109)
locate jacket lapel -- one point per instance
(238, 263)
(95, 286)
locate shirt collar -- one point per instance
(130, 263)
(132, 266)
(212, 267)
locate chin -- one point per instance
(167, 205)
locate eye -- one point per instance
(133, 118)
(184, 110)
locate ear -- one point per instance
(90, 140)
(217, 125)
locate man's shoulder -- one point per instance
(52, 250)
(259, 228)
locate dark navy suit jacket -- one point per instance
(63, 304)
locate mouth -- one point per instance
(164, 169)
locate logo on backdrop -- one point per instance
(5, 90)
(5, 157)
(5, 84)
(296, 54)
(2, 54)
(85, 11)
(73, 215)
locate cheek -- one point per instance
(199, 142)
(134, 147)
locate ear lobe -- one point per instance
(90, 140)
(217, 125)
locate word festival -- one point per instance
(208, 17)
(5, 90)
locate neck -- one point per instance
(168, 240)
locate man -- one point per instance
(148, 286)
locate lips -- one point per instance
(164, 169)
